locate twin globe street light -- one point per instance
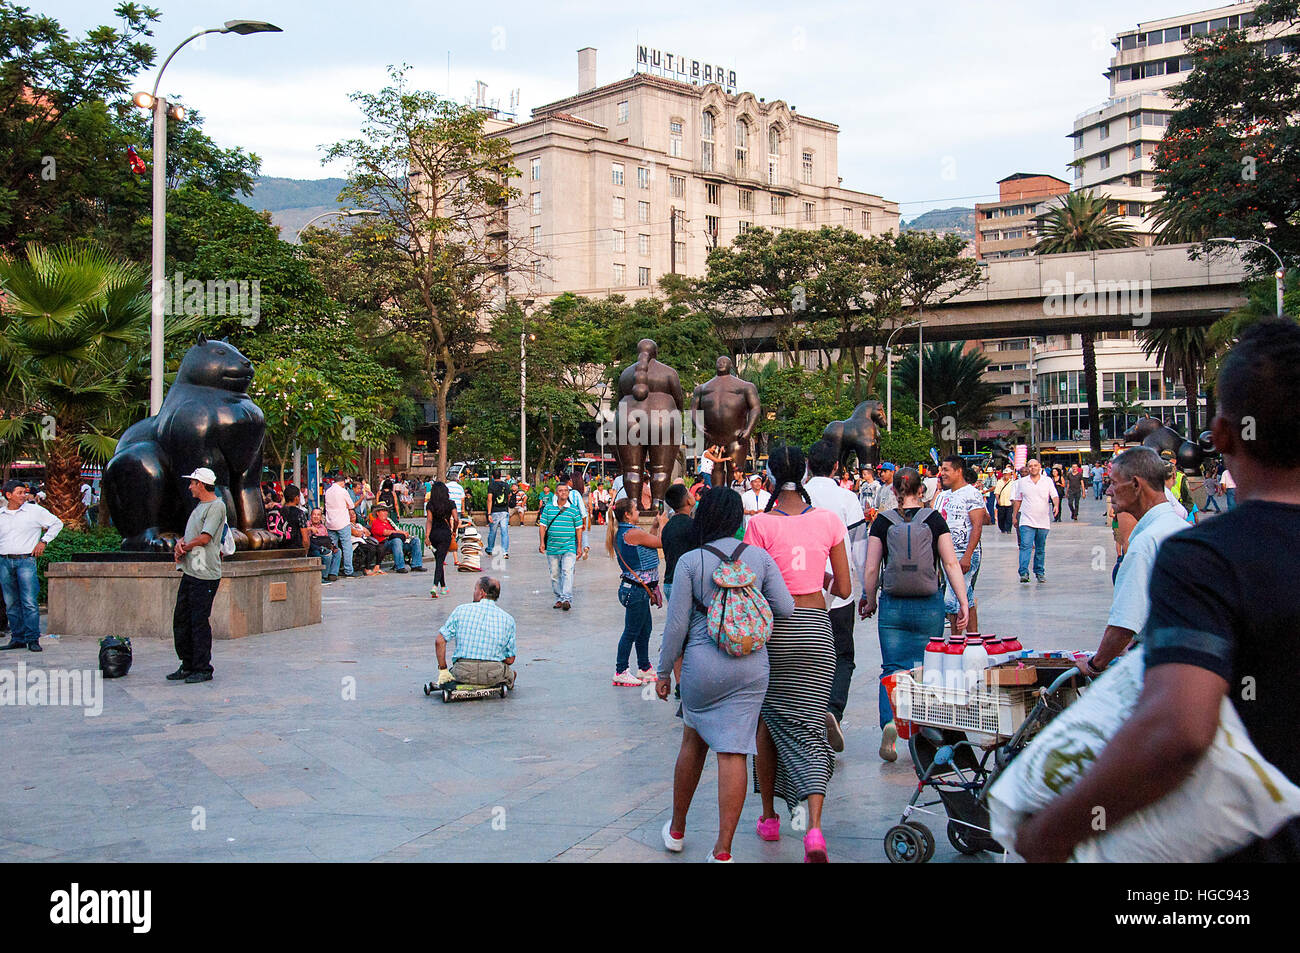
(161, 112)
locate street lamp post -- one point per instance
(889, 374)
(347, 212)
(523, 391)
(158, 104)
(1279, 275)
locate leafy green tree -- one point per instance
(907, 444)
(1230, 157)
(797, 405)
(1124, 411)
(75, 330)
(439, 180)
(1083, 221)
(687, 342)
(953, 377)
(299, 406)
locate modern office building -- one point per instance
(1114, 143)
(1007, 228)
(626, 182)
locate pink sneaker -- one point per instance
(814, 847)
(769, 828)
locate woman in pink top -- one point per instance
(794, 757)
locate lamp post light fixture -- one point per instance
(524, 338)
(889, 374)
(345, 212)
(161, 112)
(1279, 275)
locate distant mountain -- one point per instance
(956, 221)
(294, 202)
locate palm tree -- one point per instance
(1185, 352)
(1083, 221)
(1122, 408)
(952, 374)
(75, 326)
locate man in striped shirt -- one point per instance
(560, 525)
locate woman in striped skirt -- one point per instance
(794, 757)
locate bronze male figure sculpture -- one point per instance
(730, 410)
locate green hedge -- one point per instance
(71, 541)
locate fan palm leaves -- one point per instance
(1181, 352)
(952, 374)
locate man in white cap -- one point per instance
(198, 557)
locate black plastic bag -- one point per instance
(114, 656)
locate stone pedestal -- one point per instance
(136, 598)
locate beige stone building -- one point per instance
(626, 182)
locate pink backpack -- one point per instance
(740, 619)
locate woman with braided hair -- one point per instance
(794, 757)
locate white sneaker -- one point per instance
(711, 859)
(672, 843)
(627, 679)
(647, 675)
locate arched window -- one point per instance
(706, 141)
(773, 154)
(742, 144)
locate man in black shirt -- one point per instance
(1224, 605)
(1074, 490)
(294, 518)
(498, 507)
(679, 532)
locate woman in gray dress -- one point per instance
(721, 694)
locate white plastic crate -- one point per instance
(987, 711)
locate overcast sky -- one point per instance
(936, 100)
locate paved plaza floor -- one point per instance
(319, 744)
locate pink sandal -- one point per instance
(814, 847)
(769, 828)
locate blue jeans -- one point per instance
(21, 587)
(396, 545)
(1212, 500)
(906, 625)
(636, 631)
(990, 503)
(951, 604)
(1096, 489)
(562, 575)
(1231, 496)
(342, 538)
(329, 564)
(1033, 540)
(499, 521)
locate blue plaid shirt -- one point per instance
(481, 630)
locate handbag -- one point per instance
(625, 589)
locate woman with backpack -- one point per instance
(721, 693)
(911, 543)
(794, 757)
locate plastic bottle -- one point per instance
(997, 650)
(1013, 645)
(974, 659)
(953, 679)
(932, 666)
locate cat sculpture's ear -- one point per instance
(203, 338)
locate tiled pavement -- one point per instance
(319, 744)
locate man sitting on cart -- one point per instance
(484, 634)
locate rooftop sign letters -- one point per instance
(678, 67)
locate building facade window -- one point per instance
(848, 216)
(711, 229)
(643, 211)
(706, 141)
(773, 155)
(675, 137)
(537, 169)
(622, 112)
(620, 240)
(618, 206)
(747, 200)
(1104, 161)
(778, 204)
(711, 191)
(1103, 131)
(866, 221)
(620, 275)
(536, 234)
(616, 172)
(745, 226)
(642, 177)
(677, 186)
(809, 212)
(806, 168)
(643, 244)
(679, 253)
(742, 145)
(537, 203)
(643, 277)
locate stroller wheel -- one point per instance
(925, 836)
(963, 838)
(905, 844)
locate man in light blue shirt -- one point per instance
(484, 634)
(1138, 486)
